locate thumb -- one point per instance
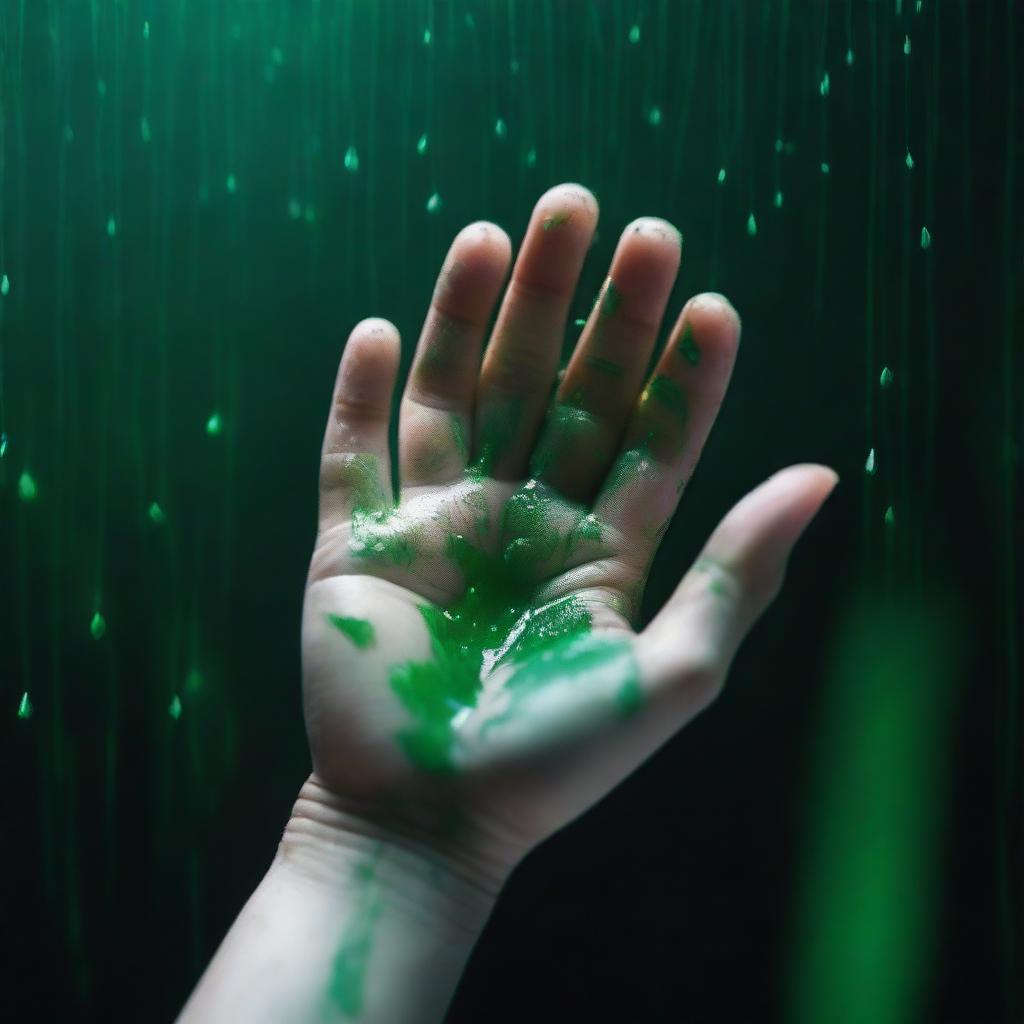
(734, 579)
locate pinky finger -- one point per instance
(355, 462)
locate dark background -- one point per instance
(242, 252)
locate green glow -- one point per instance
(351, 159)
(885, 378)
(421, 144)
(869, 464)
(231, 183)
(777, 200)
(25, 706)
(3, 445)
(111, 227)
(500, 128)
(174, 708)
(434, 203)
(531, 157)
(213, 424)
(825, 168)
(5, 286)
(27, 490)
(654, 116)
(824, 86)
(144, 129)
(156, 514)
(359, 631)
(890, 516)
(909, 161)
(751, 226)
(97, 626)
(634, 34)
(926, 238)
(687, 347)
(906, 46)
(721, 175)
(849, 58)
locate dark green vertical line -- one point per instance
(371, 154)
(780, 97)
(967, 145)
(552, 161)
(819, 272)
(908, 526)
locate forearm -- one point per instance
(344, 926)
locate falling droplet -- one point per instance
(111, 227)
(5, 286)
(98, 626)
(580, 322)
(25, 706)
(869, 465)
(909, 161)
(193, 681)
(906, 46)
(721, 175)
(144, 129)
(213, 424)
(849, 58)
(69, 134)
(426, 37)
(823, 88)
(174, 708)
(156, 514)
(500, 128)
(351, 159)
(145, 30)
(926, 238)
(886, 378)
(232, 183)
(277, 56)
(3, 445)
(890, 516)
(421, 145)
(634, 34)
(778, 200)
(531, 157)
(294, 209)
(654, 116)
(751, 226)
(27, 489)
(778, 145)
(434, 203)
(101, 87)
(917, 7)
(825, 168)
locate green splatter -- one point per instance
(459, 436)
(629, 697)
(611, 300)
(499, 421)
(385, 535)
(632, 464)
(359, 474)
(98, 626)
(602, 365)
(25, 706)
(27, 489)
(687, 347)
(348, 978)
(359, 631)
(668, 394)
(556, 219)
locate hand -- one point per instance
(472, 679)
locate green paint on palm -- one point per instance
(359, 631)
(499, 421)
(602, 365)
(566, 429)
(612, 299)
(687, 347)
(669, 395)
(459, 436)
(386, 535)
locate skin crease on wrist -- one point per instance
(473, 679)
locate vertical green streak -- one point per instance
(819, 273)
(373, 42)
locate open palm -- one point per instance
(472, 680)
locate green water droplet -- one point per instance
(434, 203)
(825, 169)
(869, 464)
(3, 445)
(27, 489)
(101, 87)
(294, 209)
(906, 46)
(231, 183)
(531, 157)
(778, 200)
(359, 631)
(580, 322)
(917, 7)
(145, 30)
(351, 159)
(886, 378)
(421, 144)
(926, 238)
(98, 626)
(778, 145)
(174, 708)
(111, 227)
(721, 175)
(144, 129)
(909, 161)
(634, 34)
(890, 516)
(688, 347)
(156, 514)
(213, 424)
(5, 286)
(825, 85)
(277, 56)
(612, 298)
(849, 58)
(69, 133)
(470, 21)
(427, 37)
(500, 128)
(654, 116)
(751, 225)
(25, 706)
